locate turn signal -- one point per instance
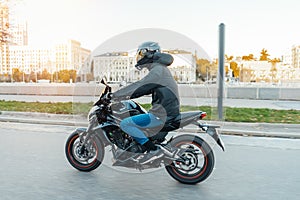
(203, 115)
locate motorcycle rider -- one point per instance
(160, 83)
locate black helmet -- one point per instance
(145, 53)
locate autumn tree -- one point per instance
(33, 76)
(4, 77)
(228, 58)
(17, 75)
(73, 75)
(44, 75)
(273, 69)
(264, 55)
(202, 65)
(235, 69)
(67, 75)
(249, 57)
(275, 60)
(205, 69)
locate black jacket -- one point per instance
(160, 83)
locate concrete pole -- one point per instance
(221, 70)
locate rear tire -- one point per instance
(199, 164)
(87, 160)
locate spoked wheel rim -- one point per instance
(195, 161)
(85, 157)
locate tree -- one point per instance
(228, 58)
(202, 65)
(44, 75)
(33, 76)
(235, 69)
(249, 57)
(73, 75)
(17, 75)
(273, 69)
(206, 69)
(275, 60)
(264, 55)
(64, 76)
(67, 75)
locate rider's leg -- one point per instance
(132, 126)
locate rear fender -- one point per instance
(211, 130)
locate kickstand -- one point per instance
(139, 167)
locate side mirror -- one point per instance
(104, 81)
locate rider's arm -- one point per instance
(141, 87)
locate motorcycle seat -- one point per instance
(173, 123)
(183, 119)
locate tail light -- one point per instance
(203, 114)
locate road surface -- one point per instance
(33, 166)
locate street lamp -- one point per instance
(221, 70)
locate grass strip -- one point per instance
(253, 115)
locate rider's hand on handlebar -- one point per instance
(108, 96)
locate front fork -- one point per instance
(86, 133)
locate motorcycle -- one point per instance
(186, 157)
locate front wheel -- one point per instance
(84, 158)
(196, 160)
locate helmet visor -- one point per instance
(140, 54)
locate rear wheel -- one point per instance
(196, 160)
(84, 158)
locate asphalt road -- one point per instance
(33, 166)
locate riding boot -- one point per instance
(153, 153)
(149, 146)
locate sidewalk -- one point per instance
(227, 128)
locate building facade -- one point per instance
(116, 66)
(119, 66)
(28, 59)
(264, 71)
(15, 53)
(183, 67)
(70, 55)
(4, 38)
(295, 60)
(19, 33)
(258, 71)
(65, 56)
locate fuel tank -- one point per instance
(126, 108)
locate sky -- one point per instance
(250, 26)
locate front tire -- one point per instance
(87, 158)
(199, 160)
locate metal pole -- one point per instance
(221, 70)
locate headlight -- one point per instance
(97, 113)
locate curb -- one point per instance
(41, 121)
(222, 131)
